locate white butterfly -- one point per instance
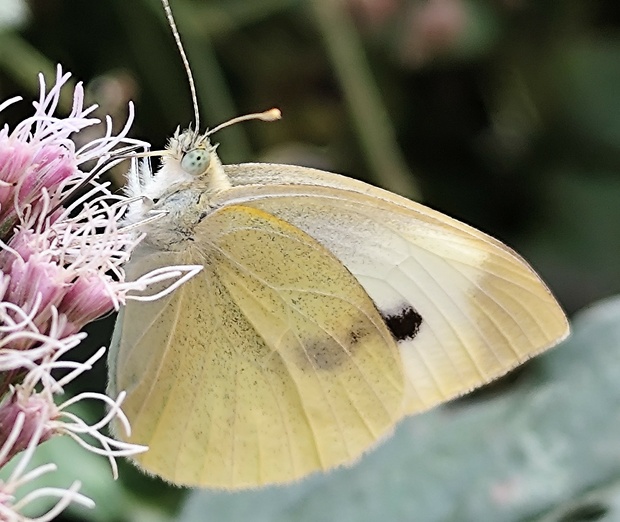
(326, 311)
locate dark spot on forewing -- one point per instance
(404, 324)
(324, 354)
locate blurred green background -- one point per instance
(501, 113)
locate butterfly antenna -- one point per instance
(270, 115)
(188, 70)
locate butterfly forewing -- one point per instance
(463, 307)
(275, 363)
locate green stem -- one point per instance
(369, 115)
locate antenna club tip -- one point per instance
(272, 114)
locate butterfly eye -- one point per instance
(196, 161)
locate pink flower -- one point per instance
(25, 170)
(62, 247)
(34, 411)
(63, 243)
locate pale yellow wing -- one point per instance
(463, 307)
(270, 364)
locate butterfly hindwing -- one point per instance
(269, 364)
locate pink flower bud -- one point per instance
(26, 168)
(87, 299)
(36, 286)
(37, 411)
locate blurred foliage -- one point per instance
(502, 113)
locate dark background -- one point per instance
(502, 113)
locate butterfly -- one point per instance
(326, 310)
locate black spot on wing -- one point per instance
(404, 324)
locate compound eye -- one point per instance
(196, 161)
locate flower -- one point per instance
(62, 248)
(10, 509)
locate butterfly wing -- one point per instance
(463, 307)
(269, 364)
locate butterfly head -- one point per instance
(193, 152)
(191, 156)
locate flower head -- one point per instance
(62, 247)
(54, 259)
